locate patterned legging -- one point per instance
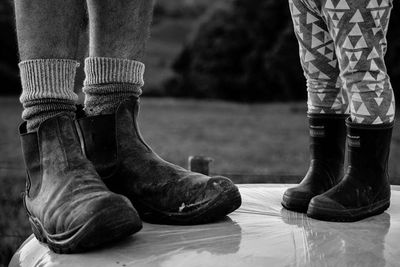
(342, 47)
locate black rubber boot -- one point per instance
(365, 189)
(327, 150)
(161, 192)
(68, 205)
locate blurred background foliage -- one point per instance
(8, 50)
(237, 50)
(245, 50)
(242, 51)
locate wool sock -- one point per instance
(109, 81)
(47, 89)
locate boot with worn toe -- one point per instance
(365, 190)
(327, 150)
(68, 205)
(161, 192)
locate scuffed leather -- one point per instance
(64, 191)
(141, 174)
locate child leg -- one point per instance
(359, 31)
(327, 107)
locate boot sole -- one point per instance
(212, 210)
(295, 204)
(104, 227)
(348, 215)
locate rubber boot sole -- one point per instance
(102, 228)
(295, 204)
(205, 212)
(347, 215)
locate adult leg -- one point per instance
(119, 29)
(162, 192)
(47, 55)
(327, 107)
(118, 33)
(68, 205)
(359, 31)
(38, 28)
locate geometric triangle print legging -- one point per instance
(342, 45)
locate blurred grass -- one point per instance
(263, 139)
(13, 220)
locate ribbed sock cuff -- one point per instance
(104, 70)
(109, 81)
(48, 78)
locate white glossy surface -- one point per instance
(260, 233)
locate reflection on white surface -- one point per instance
(260, 233)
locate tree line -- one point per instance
(241, 50)
(246, 51)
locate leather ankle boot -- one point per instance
(160, 191)
(327, 149)
(365, 190)
(68, 205)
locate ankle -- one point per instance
(105, 99)
(47, 89)
(109, 81)
(36, 112)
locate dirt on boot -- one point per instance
(161, 192)
(68, 205)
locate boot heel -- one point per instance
(381, 210)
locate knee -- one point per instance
(323, 85)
